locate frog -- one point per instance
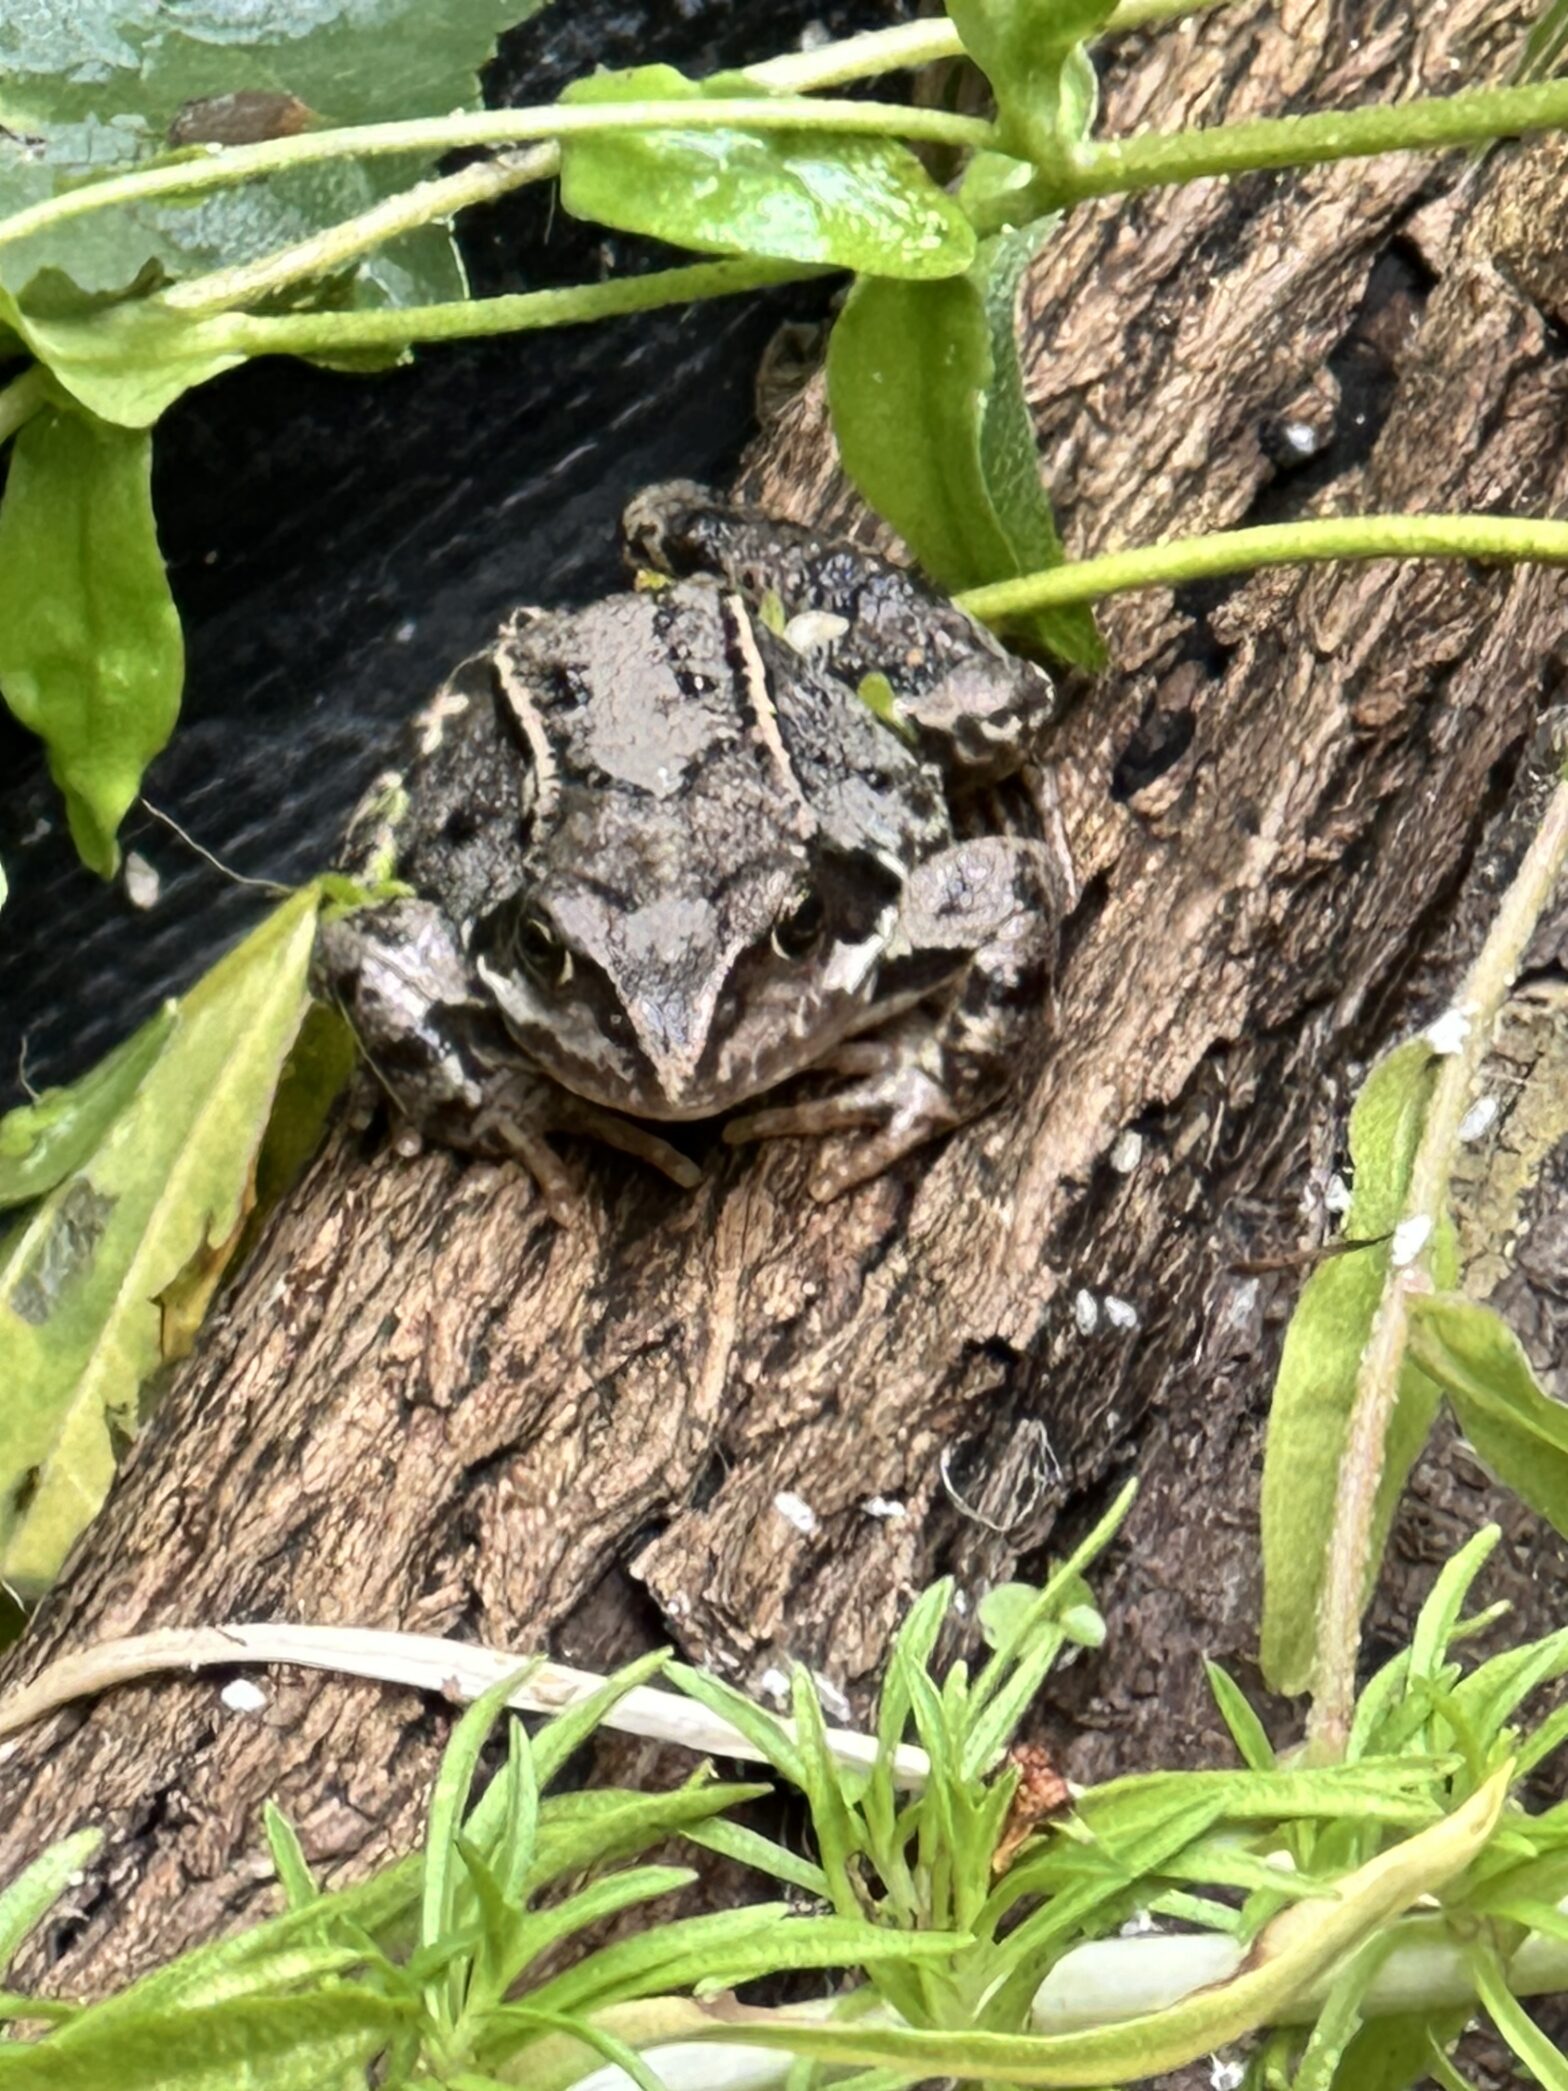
(730, 845)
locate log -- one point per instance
(753, 1427)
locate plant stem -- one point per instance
(21, 399)
(398, 326)
(424, 204)
(911, 45)
(1349, 1563)
(1117, 167)
(1274, 544)
(219, 167)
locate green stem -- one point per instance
(912, 45)
(21, 399)
(325, 333)
(1119, 167)
(1275, 544)
(333, 248)
(1350, 1562)
(225, 166)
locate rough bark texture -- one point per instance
(425, 1407)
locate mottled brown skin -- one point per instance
(665, 858)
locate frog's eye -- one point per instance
(540, 952)
(798, 928)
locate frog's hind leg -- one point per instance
(936, 1068)
(935, 674)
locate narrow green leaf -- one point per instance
(1540, 2055)
(1009, 449)
(732, 1947)
(1439, 1616)
(1247, 1732)
(1317, 1373)
(627, 1823)
(1339, 2019)
(1545, 43)
(568, 1730)
(105, 1278)
(1297, 1949)
(599, 2038)
(91, 657)
(1516, 1427)
(750, 1848)
(1442, 2070)
(519, 1941)
(443, 1822)
(858, 203)
(288, 1859)
(832, 1820)
(47, 2010)
(38, 1887)
(515, 1848)
(43, 1142)
(759, 1727)
(258, 2044)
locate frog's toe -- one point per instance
(903, 1106)
(551, 1177)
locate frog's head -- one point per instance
(693, 999)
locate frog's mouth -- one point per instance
(679, 1061)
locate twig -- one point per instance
(459, 1670)
(1348, 1564)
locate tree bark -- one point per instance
(425, 1407)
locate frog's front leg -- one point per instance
(451, 1074)
(938, 676)
(999, 899)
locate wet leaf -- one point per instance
(844, 202)
(94, 86)
(932, 426)
(1520, 1432)
(84, 1277)
(91, 657)
(1317, 1372)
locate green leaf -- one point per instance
(38, 1887)
(91, 657)
(101, 1280)
(750, 1848)
(1296, 1950)
(1540, 2055)
(1516, 1427)
(1395, 2054)
(622, 1824)
(288, 1859)
(932, 425)
(1438, 1620)
(256, 2044)
(842, 202)
(1545, 43)
(124, 362)
(729, 1948)
(43, 1142)
(443, 1822)
(1247, 1732)
(94, 87)
(1032, 53)
(1317, 1373)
